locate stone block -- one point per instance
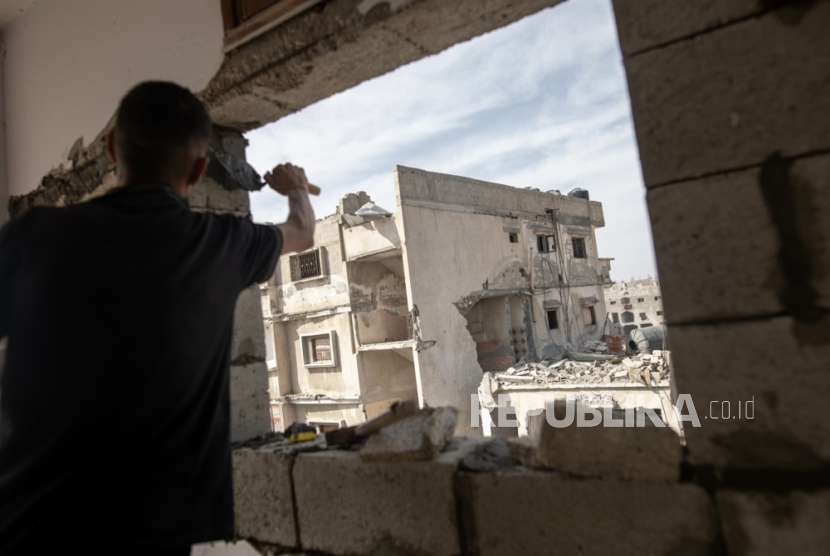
(720, 230)
(777, 364)
(416, 438)
(263, 495)
(643, 24)
(346, 506)
(534, 513)
(646, 453)
(767, 523)
(730, 98)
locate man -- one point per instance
(114, 421)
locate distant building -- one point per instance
(634, 304)
(467, 276)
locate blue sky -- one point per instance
(540, 103)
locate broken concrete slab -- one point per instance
(647, 453)
(416, 438)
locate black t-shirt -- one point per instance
(114, 416)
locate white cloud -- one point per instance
(540, 103)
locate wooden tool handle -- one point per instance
(313, 189)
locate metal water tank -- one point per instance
(644, 340)
(581, 193)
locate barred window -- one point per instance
(305, 265)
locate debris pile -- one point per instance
(404, 432)
(647, 369)
(596, 346)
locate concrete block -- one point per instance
(645, 453)
(780, 367)
(346, 506)
(720, 230)
(250, 405)
(730, 98)
(533, 513)
(263, 495)
(643, 24)
(417, 438)
(765, 523)
(248, 343)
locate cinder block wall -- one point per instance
(731, 104)
(332, 503)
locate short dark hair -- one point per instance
(159, 125)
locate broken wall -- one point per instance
(487, 323)
(378, 297)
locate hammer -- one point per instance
(235, 173)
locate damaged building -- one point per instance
(634, 304)
(466, 276)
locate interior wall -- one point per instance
(68, 64)
(381, 296)
(487, 324)
(384, 374)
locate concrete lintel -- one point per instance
(338, 44)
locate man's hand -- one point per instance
(287, 179)
(298, 228)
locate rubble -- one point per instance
(416, 438)
(646, 369)
(597, 346)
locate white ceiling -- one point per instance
(11, 9)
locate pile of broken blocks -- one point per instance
(647, 369)
(408, 434)
(403, 433)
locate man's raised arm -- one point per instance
(298, 228)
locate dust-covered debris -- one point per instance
(645, 369)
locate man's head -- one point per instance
(161, 135)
